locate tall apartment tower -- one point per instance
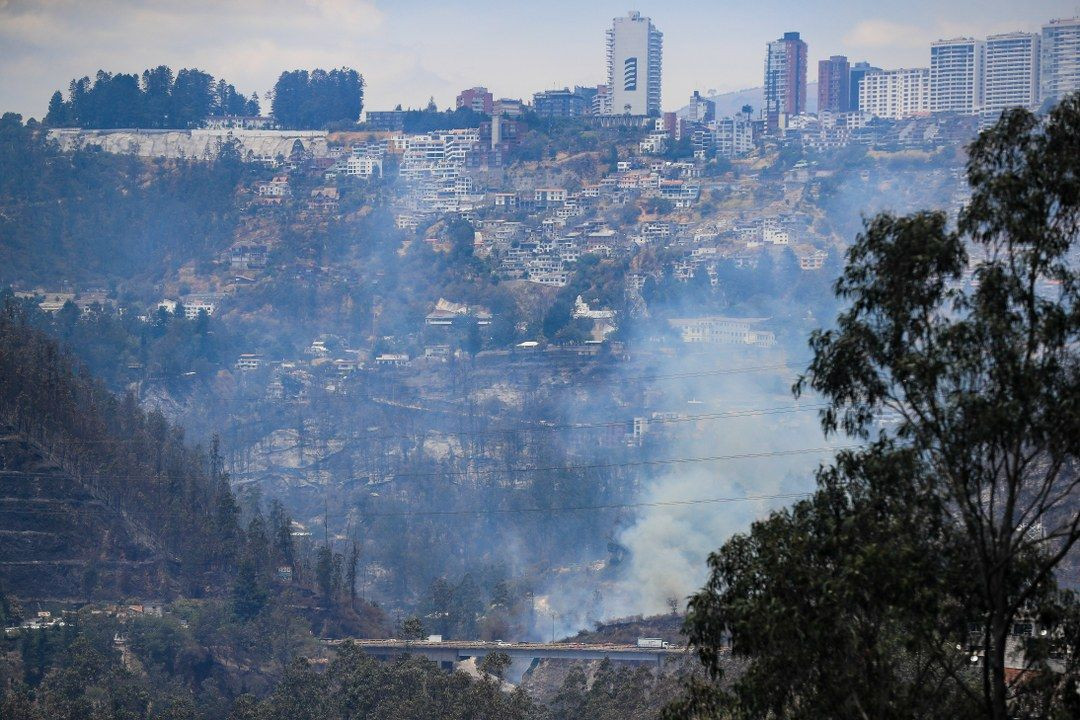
(858, 71)
(956, 75)
(785, 78)
(834, 90)
(1060, 59)
(1012, 72)
(634, 52)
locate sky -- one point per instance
(410, 50)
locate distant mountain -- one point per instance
(730, 103)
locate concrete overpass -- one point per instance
(450, 652)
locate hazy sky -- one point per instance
(409, 50)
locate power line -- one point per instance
(577, 508)
(542, 426)
(704, 373)
(632, 463)
(545, 427)
(521, 470)
(508, 511)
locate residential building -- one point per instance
(701, 110)
(360, 166)
(549, 197)
(834, 78)
(634, 52)
(249, 361)
(810, 257)
(559, 104)
(734, 136)
(477, 99)
(392, 360)
(785, 79)
(957, 70)
(192, 305)
(385, 120)
(447, 313)
(601, 102)
(895, 94)
(505, 200)
(1012, 72)
(1059, 63)
(588, 93)
(278, 187)
(724, 331)
(858, 71)
(508, 107)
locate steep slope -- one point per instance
(59, 541)
(97, 498)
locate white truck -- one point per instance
(651, 642)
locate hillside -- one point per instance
(99, 500)
(59, 541)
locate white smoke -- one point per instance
(670, 542)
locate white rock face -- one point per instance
(200, 144)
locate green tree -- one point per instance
(249, 593)
(495, 664)
(324, 572)
(412, 628)
(979, 472)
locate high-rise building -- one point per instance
(895, 94)
(701, 110)
(834, 78)
(634, 51)
(956, 75)
(477, 99)
(1012, 72)
(858, 71)
(1059, 64)
(785, 78)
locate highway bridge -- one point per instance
(450, 652)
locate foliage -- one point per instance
(425, 121)
(312, 99)
(110, 216)
(614, 692)
(935, 539)
(495, 664)
(157, 99)
(135, 461)
(356, 685)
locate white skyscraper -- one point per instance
(1060, 61)
(895, 94)
(634, 49)
(1012, 72)
(956, 75)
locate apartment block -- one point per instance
(895, 94)
(1059, 63)
(957, 69)
(1012, 72)
(634, 55)
(785, 78)
(834, 78)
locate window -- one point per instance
(630, 74)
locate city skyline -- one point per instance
(411, 51)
